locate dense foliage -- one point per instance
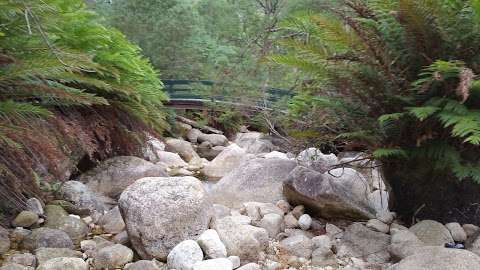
(397, 77)
(219, 40)
(57, 53)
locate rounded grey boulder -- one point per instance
(431, 258)
(63, 263)
(184, 255)
(114, 175)
(46, 237)
(161, 212)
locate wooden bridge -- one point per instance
(197, 94)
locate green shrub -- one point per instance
(57, 53)
(396, 76)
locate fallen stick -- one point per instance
(196, 125)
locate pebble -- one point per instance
(291, 222)
(305, 221)
(25, 219)
(298, 211)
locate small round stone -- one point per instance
(305, 221)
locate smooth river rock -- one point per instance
(183, 148)
(256, 180)
(161, 212)
(114, 175)
(230, 158)
(439, 258)
(240, 238)
(432, 233)
(343, 195)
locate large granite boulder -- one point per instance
(254, 142)
(403, 244)
(229, 159)
(341, 193)
(114, 175)
(360, 242)
(58, 218)
(213, 139)
(183, 148)
(82, 196)
(161, 212)
(192, 135)
(48, 238)
(258, 180)
(439, 258)
(240, 238)
(171, 160)
(209, 152)
(314, 159)
(432, 233)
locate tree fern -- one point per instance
(63, 56)
(406, 68)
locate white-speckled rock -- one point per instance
(256, 180)
(184, 255)
(305, 221)
(214, 264)
(432, 233)
(240, 238)
(211, 245)
(46, 237)
(112, 221)
(314, 158)
(298, 245)
(378, 226)
(230, 158)
(171, 160)
(15, 266)
(250, 266)
(114, 175)
(142, 265)
(160, 212)
(433, 258)
(35, 205)
(112, 257)
(235, 261)
(273, 223)
(25, 259)
(64, 263)
(183, 148)
(360, 242)
(458, 233)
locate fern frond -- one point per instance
(382, 153)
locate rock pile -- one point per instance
(268, 211)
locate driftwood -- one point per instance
(196, 125)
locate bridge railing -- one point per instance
(202, 90)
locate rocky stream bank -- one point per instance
(202, 202)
